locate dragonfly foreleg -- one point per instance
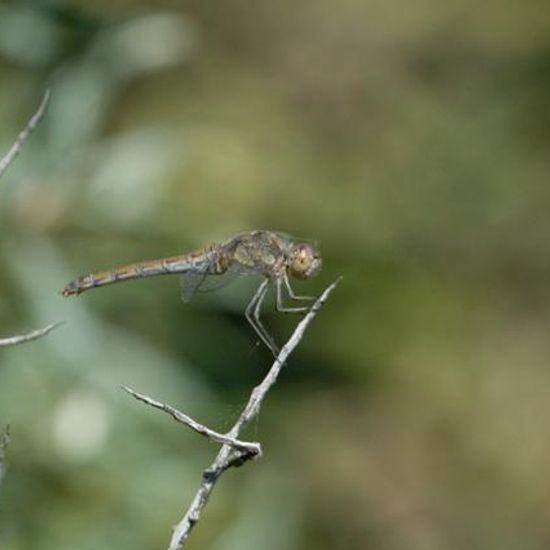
(291, 294)
(279, 303)
(253, 316)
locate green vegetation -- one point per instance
(410, 140)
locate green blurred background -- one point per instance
(411, 140)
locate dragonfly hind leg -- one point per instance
(279, 303)
(253, 316)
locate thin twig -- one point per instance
(4, 442)
(34, 335)
(252, 448)
(15, 149)
(227, 456)
(5, 162)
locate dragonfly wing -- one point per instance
(190, 283)
(193, 283)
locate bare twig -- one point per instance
(5, 162)
(4, 442)
(229, 456)
(252, 448)
(15, 149)
(34, 335)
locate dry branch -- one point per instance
(16, 148)
(253, 448)
(4, 442)
(233, 451)
(34, 335)
(5, 163)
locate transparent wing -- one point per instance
(190, 283)
(193, 283)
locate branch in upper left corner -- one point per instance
(17, 146)
(5, 163)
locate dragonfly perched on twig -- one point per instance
(274, 255)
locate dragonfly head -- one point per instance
(304, 261)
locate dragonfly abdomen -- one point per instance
(138, 270)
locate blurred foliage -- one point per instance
(411, 140)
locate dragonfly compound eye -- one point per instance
(305, 261)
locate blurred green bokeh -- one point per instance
(411, 140)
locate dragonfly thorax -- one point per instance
(304, 261)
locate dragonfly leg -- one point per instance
(279, 303)
(274, 348)
(253, 316)
(291, 294)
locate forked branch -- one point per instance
(233, 452)
(178, 416)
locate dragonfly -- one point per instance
(275, 256)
